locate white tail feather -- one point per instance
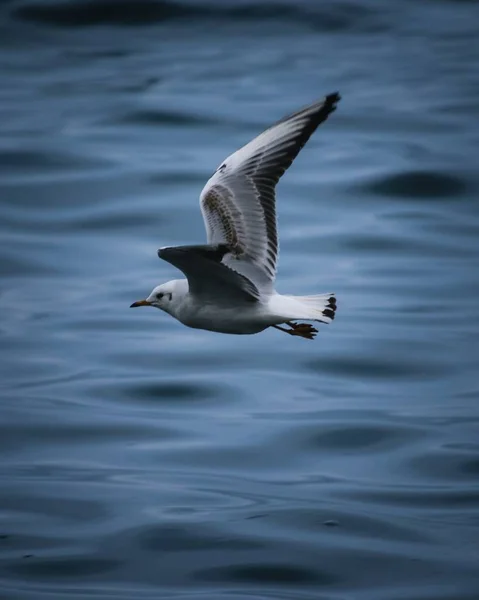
(321, 307)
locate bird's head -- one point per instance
(162, 297)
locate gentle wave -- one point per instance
(144, 459)
(419, 184)
(332, 17)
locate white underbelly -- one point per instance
(245, 319)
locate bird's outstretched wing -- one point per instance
(208, 277)
(238, 201)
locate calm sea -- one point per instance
(140, 459)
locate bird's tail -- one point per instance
(313, 308)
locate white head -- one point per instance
(165, 296)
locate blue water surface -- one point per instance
(142, 459)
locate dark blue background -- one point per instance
(142, 459)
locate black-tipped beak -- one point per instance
(140, 303)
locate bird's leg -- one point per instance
(304, 330)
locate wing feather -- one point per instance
(208, 277)
(238, 202)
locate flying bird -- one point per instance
(229, 285)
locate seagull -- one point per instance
(229, 285)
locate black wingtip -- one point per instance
(333, 97)
(331, 100)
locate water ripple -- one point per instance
(419, 185)
(143, 459)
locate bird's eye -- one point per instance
(159, 296)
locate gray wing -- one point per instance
(207, 276)
(238, 202)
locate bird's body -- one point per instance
(242, 318)
(229, 285)
(245, 317)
